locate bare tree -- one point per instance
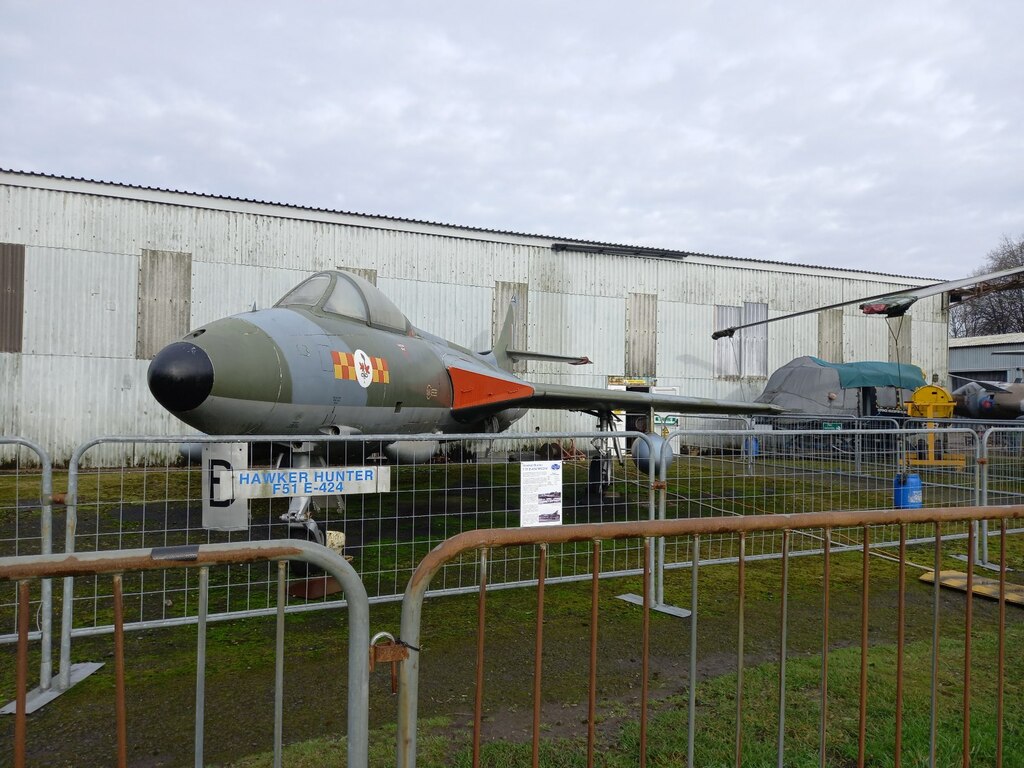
(996, 311)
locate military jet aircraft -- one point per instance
(989, 400)
(335, 356)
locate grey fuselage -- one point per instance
(303, 370)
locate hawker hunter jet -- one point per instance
(335, 356)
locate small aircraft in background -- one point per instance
(335, 356)
(989, 400)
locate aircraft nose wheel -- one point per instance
(305, 530)
(308, 530)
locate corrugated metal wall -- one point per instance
(755, 340)
(80, 303)
(901, 333)
(95, 256)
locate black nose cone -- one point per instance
(181, 376)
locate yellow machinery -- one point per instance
(932, 402)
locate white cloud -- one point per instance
(870, 135)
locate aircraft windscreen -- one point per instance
(383, 313)
(346, 299)
(306, 294)
(349, 295)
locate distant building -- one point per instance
(95, 277)
(984, 358)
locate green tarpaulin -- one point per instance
(876, 374)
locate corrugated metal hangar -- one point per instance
(96, 277)
(986, 358)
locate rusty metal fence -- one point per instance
(478, 547)
(118, 565)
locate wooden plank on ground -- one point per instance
(983, 586)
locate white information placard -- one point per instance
(540, 493)
(307, 481)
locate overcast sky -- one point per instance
(880, 136)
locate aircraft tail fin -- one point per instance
(500, 349)
(505, 357)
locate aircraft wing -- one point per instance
(898, 302)
(564, 396)
(993, 387)
(481, 394)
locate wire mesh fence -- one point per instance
(436, 490)
(26, 528)
(785, 471)
(440, 487)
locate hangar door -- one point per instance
(165, 300)
(641, 335)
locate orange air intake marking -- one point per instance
(471, 389)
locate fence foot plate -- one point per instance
(314, 588)
(979, 564)
(671, 610)
(38, 698)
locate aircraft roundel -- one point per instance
(364, 368)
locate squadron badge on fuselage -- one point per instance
(359, 366)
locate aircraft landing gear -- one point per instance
(599, 469)
(298, 515)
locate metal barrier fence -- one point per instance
(385, 534)
(1002, 477)
(786, 471)
(476, 483)
(118, 565)
(26, 528)
(154, 502)
(479, 547)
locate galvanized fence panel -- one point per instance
(474, 483)
(1002, 480)
(782, 471)
(26, 528)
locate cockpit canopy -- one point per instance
(342, 293)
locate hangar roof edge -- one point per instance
(467, 230)
(986, 341)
